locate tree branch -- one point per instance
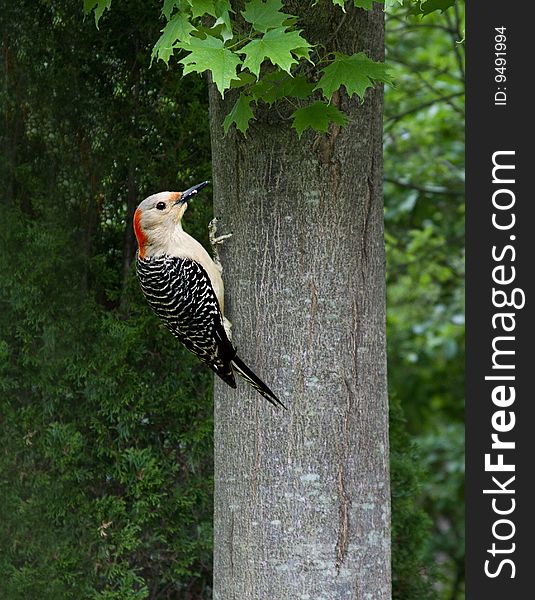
(395, 118)
(424, 190)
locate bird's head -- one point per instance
(159, 215)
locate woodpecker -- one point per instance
(184, 287)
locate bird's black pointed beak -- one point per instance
(190, 192)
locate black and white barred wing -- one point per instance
(181, 294)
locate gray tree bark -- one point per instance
(302, 497)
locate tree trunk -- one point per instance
(302, 497)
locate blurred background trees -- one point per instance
(106, 424)
(424, 223)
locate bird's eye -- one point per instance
(160, 205)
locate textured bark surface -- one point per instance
(302, 499)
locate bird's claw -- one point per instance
(216, 240)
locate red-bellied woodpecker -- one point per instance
(183, 285)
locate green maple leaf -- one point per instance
(210, 54)
(303, 53)
(366, 4)
(240, 114)
(99, 6)
(317, 116)
(277, 85)
(223, 11)
(357, 73)
(243, 78)
(169, 7)
(178, 29)
(202, 7)
(277, 46)
(297, 87)
(264, 15)
(426, 8)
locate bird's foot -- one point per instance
(216, 240)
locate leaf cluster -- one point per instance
(260, 49)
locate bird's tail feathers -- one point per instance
(256, 382)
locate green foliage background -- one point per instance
(106, 424)
(424, 221)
